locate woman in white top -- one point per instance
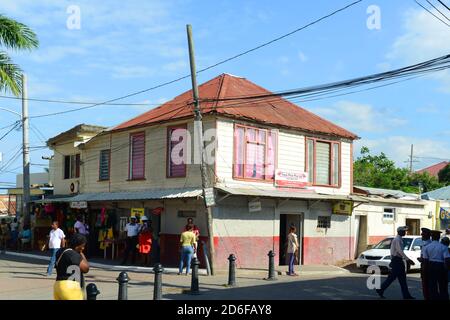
(292, 247)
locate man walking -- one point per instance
(436, 256)
(132, 229)
(426, 235)
(56, 241)
(398, 266)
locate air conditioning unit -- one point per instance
(75, 187)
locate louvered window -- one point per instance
(323, 162)
(104, 164)
(176, 157)
(137, 156)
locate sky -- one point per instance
(126, 46)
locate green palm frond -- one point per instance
(10, 75)
(15, 35)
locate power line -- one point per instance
(448, 25)
(437, 10)
(206, 68)
(77, 102)
(10, 125)
(9, 131)
(444, 4)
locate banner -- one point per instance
(78, 204)
(444, 214)
(138, 212)
(292, 179)
(343, 208)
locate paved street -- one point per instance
(24, 278)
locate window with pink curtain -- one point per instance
(176, 157)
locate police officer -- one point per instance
(398, 266)
(426, 240)
(436, 256)
(132, 229)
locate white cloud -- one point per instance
(302, 56)
(126, 72)
(360, 117)
(55, 53)
(424, 38)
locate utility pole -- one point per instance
(25, 153)
(411, 159)
(198, 134)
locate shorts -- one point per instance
(67, 290)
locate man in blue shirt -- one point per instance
(436, 256)
(426, 240)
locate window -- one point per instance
(254, 153)
(72, 166)
(187, 213)
(323, 162)
(324, 222)
(176, 151)
(137, 156)
(389, 214)
(104, 164)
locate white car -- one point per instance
(380, 254)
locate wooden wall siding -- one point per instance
(291, 156)
(56, 168)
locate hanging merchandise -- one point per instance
(158, 211)
(103, 216)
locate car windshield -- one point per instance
(386, 243)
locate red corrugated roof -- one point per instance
(274, 110)
(434, 169)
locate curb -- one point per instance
(202, 272)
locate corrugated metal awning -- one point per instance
(288, 194)
(154, 194)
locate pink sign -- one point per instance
(292, 179)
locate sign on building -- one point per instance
(209, 197)
(291, 179)
(254, 206)
(343, 208)
(78, 204)
(444, 214)
(138, 212)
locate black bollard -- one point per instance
(232, 271)
(92, 291)
(123, 285)
(157, 286)
(272, 274)
(194, 282)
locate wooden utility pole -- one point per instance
(411, 159)
(198, 135)
(25, 153)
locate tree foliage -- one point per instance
(378, 171)
(444, 175)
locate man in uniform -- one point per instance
(398, 266)
(132, 229)
(436, 257)
(426, 240)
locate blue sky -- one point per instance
(126, 46)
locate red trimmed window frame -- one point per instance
(169, 150)
(130, 156)
(244, 153)
(331, 172)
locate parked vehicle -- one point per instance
(380, 255)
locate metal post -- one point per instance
(123, 285)
(157, 286)
(205, 254)
(272, 274)
(92, 291)
(232, 271)
(198, 135)
(194, 281)
(25, 153)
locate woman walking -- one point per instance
(188, 248)
(292, 248)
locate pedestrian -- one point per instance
(188, 247)
(145, 240)
(71, 264)
(83, 229)
(14, 227)
(56, 241)
(292, 249)
(5, 235)
(436, 258)
(195, 229)
(446, 242)
(398, 266)
(25, 236)
(132, 229)
(426, 240)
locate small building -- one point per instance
(441, 197)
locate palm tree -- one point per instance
(16, 36)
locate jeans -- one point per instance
(186, 253)
(52, 261)
(291, 263)
(398, 272)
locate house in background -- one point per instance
(255, 148)
(441, 197)
(434, 169)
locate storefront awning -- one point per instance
(288, 194)
(130, 195)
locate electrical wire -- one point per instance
(438, 10)
(426, 9)
(443, 4)
(9, 131)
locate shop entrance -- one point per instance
(413, 226)
(286, 220)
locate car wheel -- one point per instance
(364, 269)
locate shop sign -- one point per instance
(209, 197)
(138, 212)
(291, 179)
(444, 214)
(254, 206)
(78, 204)
(343, 208)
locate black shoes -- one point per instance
(380, 293)
(409, 298)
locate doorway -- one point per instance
(286, 220)
(361, 234)
(413, 226)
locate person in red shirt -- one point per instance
(145, 240)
